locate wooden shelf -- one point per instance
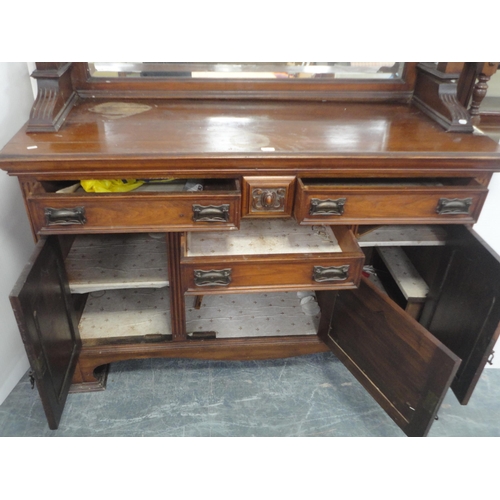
(119, 261)
(141, 313)
(410, 235)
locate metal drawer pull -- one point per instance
(327, 207)
(210, 213)
(65, 216)
(332, 273)
(214, 277)
(453, 206)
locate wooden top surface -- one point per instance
(248, 131)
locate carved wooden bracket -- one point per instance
(55, 98)
(436, 95)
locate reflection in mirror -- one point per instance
(250, 70)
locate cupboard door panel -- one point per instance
(463, 307)
(42, 305)
(404, 368)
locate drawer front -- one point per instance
(127, 212)
(268, 196)
(388, 204)
(330, 273)
(281, 271)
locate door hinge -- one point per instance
(31, 376)
(490, 359)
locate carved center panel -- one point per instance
(268, 199)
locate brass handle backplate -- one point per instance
(65, 216)
(213, 277)
(456, 206)
(327, 207)
(211, 213)
(332, 273)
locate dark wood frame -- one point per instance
(440, 90)
(60, 85)
(299, 89)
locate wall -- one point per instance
(16, 98)
(488, 227)
(494, 85)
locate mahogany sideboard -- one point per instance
(336, 181)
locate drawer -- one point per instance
(385, 201)
(270, 254)
(148, 209)
(268, 196)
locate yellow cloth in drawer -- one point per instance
(110, 185)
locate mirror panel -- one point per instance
(249, 70)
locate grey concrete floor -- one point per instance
(305, 396)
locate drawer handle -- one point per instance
(332, 273)
(210, 213)
(64, 216)
(214, 277)
(453, 206)
(327, 207)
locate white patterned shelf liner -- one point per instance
(117, 261)
(407, 235)
(404, 273)
(126, 313)
(263, 236)
(252, 315)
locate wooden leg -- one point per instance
(89, 378)
(197, 302)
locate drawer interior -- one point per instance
(170, 185)
(396, 182)
(264, 237)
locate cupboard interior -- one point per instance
(125, 281)
(121, 288)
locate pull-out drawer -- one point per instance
(153, 207)
(271, 254)
(385, 201)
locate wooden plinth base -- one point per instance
(88, 377)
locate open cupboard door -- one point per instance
(463, 306)
(404, 368)
(42, 305)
